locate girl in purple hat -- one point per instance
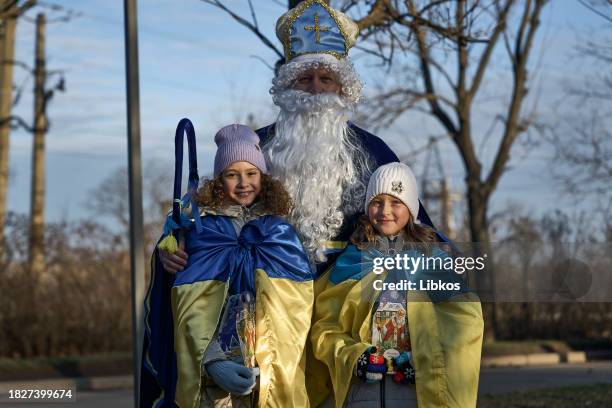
(242, 302)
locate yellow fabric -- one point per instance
(168, 244)
(446, 340)
(284, 312)
(283, 309)
(336, 244)
(196, 309)
(318, 382)
(341, 332)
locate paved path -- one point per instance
(492, 381)
(506, 379)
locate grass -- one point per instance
(595, 396)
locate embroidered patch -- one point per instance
(397, 187)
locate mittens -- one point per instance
(404, 371)
(370, 366)
(232, 377)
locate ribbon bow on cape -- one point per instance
(218, 258)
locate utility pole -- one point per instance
(7, 51)
(137, 265)
(37, 204)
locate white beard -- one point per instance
(323, 171)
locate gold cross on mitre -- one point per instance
(317, 28)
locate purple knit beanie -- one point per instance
(237, 143)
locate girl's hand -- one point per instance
(232, 377)
(175, 262)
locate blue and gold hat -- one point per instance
(313, 27)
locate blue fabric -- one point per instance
(267, 243)
(158, 371)
(232, 377)
(377, 368)
(303, 38)
(216, 252)
(355, 264)
(185, 128)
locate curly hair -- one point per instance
(365, 232)
(273, 196)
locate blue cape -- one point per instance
(216, 253)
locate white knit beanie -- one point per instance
(397, 180)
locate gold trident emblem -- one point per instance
(317, 28)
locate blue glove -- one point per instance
(232, 377)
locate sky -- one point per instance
(196, 62)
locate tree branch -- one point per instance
(377, 15)
(253, 15)
(462, 59)
(16, 122)
(20, 64)
(513, 125)
(250, 26)
(10, 9)
(594, 10)
(436, 110)
(486, 55)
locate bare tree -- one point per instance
(525, 239)
(109, 200)
(582, 138)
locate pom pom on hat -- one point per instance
(397, 180)
(238, 143)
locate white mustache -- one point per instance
(294, 100)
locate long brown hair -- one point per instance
(365, 232)
(273, 196)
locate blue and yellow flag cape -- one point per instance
(182, 314)
(446, 335)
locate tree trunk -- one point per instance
(37, 222)
(7, 50)
(479, 229)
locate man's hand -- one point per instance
(175, 262)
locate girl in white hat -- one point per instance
(386, 344)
